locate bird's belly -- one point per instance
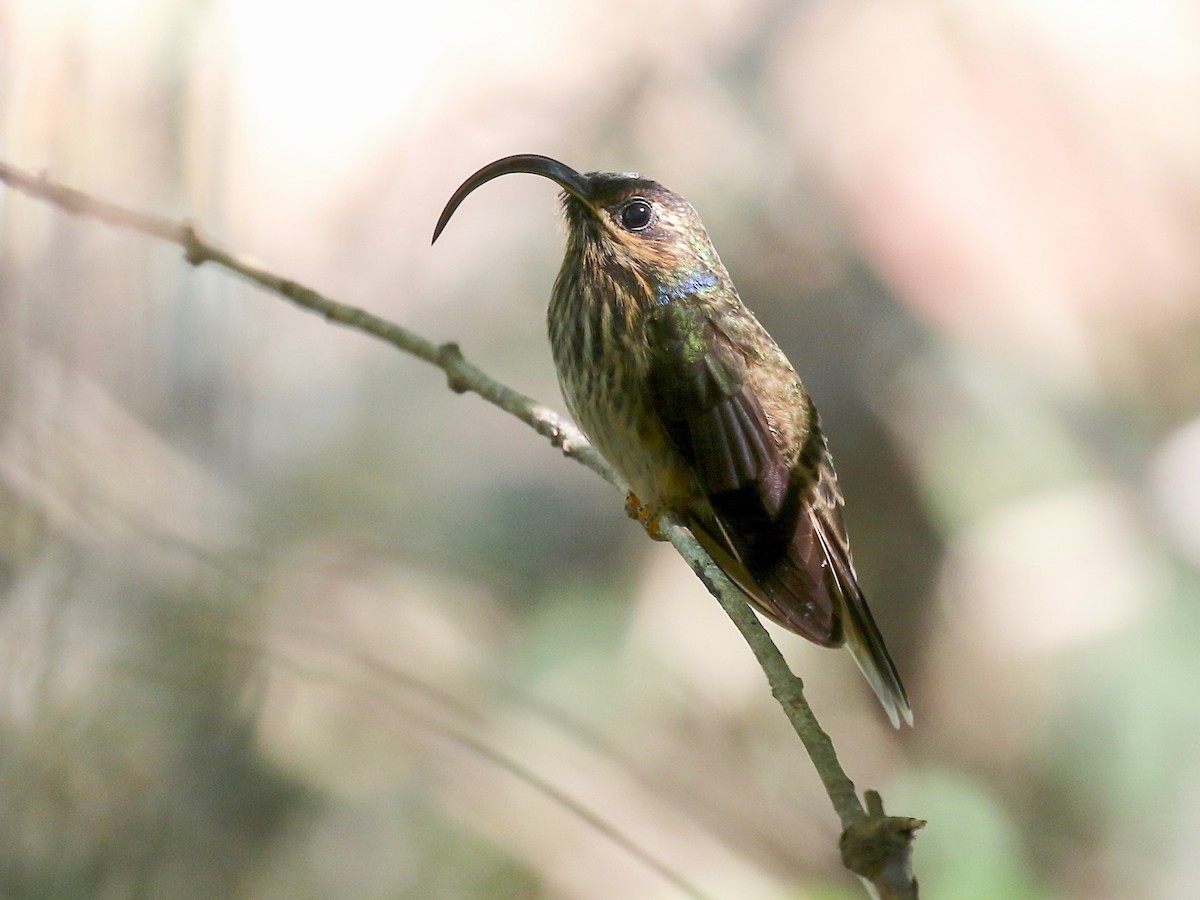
(635, 444)
(603, 379)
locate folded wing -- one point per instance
(775, 527)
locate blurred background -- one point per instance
(281, 616)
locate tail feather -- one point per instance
(866, 646)
(862, 636)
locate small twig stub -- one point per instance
(879, 850)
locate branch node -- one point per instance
(878, 848)
(567, 439)
(450, 357)
(195, 251)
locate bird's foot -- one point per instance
(650, 517)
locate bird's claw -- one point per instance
(650, 517)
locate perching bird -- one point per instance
(685, 394)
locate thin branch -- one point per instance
(787, 687)
(461, 375)
(886, 864)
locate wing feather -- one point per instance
(701, 392)
(775, 528)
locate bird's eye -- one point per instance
(636, 214)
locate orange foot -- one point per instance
(650, 517)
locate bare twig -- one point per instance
(786, 686)
(876, 847)
(461, 375)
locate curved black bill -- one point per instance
(566, 177)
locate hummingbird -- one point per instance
(692, 402)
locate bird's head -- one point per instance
(617, 220)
